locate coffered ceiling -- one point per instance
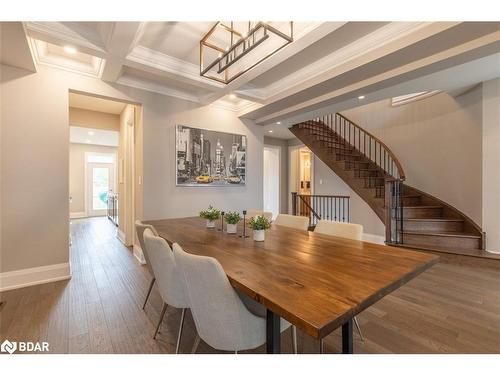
(327, 63)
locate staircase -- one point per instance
(412, 217)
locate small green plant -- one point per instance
(232, 217)
(260, 223)
(211, 214)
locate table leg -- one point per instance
(347, 341)
(273, 337)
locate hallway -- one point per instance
(448, 309)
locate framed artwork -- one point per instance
(209, 158)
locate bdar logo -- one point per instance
(8, 347)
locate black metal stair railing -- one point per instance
(321, 207)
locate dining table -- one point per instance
(316, 282)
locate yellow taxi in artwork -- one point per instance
(204, 179)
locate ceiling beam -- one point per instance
(14, 47)
(124, 36)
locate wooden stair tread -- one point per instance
(456, 251)
(422, 206)
(440, 219)
(441, 234)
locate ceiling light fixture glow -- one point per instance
(69, 49)
(278, 123)
(270, 131)
(361, 97)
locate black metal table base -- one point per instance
(273, 333)
(347, 340)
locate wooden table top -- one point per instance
(316, 282)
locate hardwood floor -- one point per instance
(448, 309)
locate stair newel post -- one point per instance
(388, 209)
(294, 203)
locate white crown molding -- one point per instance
(79, 36)
(38, 48)
(410, 98)
(160, 61)
(127, 80)
(33, 276)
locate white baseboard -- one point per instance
(77, 215)
(139, 255)
(33, 276)
(121, 236)
(375, 238)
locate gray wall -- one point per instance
(283, 145)
(35, 160)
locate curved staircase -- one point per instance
(412, 217)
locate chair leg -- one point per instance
(358, 328)
(149, 292)
(294, 339)
(162, 314)
(180, 331)
(195, 344)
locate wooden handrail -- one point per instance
(309, 207)
(387, 149)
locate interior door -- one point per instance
(272, 180)
(100, 182)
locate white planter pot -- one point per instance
(210, 224)
(231, 228)
(259, 235)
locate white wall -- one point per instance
(35, 160)
(438, 141)
(491, 164)
(77, 173)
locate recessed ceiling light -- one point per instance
(361, 97)
(90, 133)
(270, 131)
(70, 50)
(232, 96)
(279, 123)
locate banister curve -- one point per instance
(387, 149)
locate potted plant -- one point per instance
(259, 224)
(232, 219)
(211, 214)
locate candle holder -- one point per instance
(244, 225)
(221, 222)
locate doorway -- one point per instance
(106, 162)
(301, 175)
(100, 183)
(272, 171)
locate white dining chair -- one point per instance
(340, 229)
(252, 213)
(140, 227)
(346, 230)
(292, 221)
(169, 280)
(222, 320)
